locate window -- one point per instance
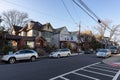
(46, 34)
(21, 52)
(27, 51)
(72, 38)
(35, 33)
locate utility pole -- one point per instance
(79, 47)
(0, 21)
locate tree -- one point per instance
(14, 17)
(102, 29)
(114, 30)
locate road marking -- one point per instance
(116, 76)
(86, 76)
(106, 67)
(73, 71)
(64, 78)
(98, 73)
(102, 69)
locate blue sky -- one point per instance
(53, 11)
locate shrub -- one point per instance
(7, 49)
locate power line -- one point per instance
(99, 21)
(84, 10)
(68, 11)
(87, 10)
(75, 9)
(85, 6)
(33, 10)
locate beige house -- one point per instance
(34, 34)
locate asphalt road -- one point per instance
(79, 67)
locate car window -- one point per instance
(62, 50)
(102, 50)
(65, 50)
(28, 51)
(21, 52)
(25, 52)
(112, 47)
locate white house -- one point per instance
(61, 37)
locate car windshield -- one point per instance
(112, 47)
(102, 50)
(57, 50)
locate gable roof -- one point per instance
(17, 28)
(47, 24)
(32, 25)
(58, 30)
(75, 32)
(36, 25)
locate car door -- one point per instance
(64, 52)
(20, 55)
(28, 54)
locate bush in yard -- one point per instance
(40, 51)
(7, 49)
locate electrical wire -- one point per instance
(87, 8)
(33, 10)
(75, 9)
(84, 10)
(88, 11)
(68, 11)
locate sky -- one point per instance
(54, 11)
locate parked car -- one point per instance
(20, 55)
(103, 53)
(90, 51)
(113, 49)
(60, 53)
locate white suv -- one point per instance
(60, 53)
(20, 55)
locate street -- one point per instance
(77, 67)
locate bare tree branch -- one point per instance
(14, 17)
(113, 30)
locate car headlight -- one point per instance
(5, 57)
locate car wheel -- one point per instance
(68, 54)
(58, 56)
(33, 58)
(12, 60)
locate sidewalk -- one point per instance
(114, 61)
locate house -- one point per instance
(74, 40)
(47, 33)
(14, 30)
(61, 37)
(82, 39)
(34, 34)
